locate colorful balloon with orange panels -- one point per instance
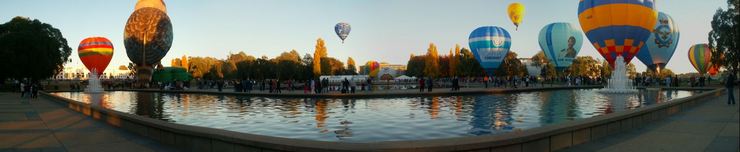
(95, 53)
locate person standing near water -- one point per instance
(421, 84)
(730, 84)
(430, 84)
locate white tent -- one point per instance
(404, 77)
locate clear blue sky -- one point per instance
(383, 30)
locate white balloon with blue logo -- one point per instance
(489, 45)
(661, 44)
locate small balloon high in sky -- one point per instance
(516, 13)
(342, 29)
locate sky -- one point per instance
(382, 30)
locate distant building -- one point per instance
(81, 73)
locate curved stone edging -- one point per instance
(546, 138)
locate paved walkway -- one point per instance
(41, 125)
(712, 126)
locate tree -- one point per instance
(468, 65)
(631, 70)
(184, 62)
(431, 62)
(549, 71)
(331, 66)
(351, 68)
(511, 66)
(307, 62)
(415, 66)
(606, 69)
(724, 36)
(288, 64)
(31, 49)
(200, 66)
(540, 59)
(585, 66)
(444, 66)
(454, 60)
(316, 64)
(321, 48)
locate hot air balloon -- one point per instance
(516, 13)
(342, 29)
(661, 44)
(147, 38)
(561, 42)
(617, 27)
(700, 56)
(158, 4)
(373, 68)
(713, 70)
(95, 53)
(489, 45)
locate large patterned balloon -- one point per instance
(95, 53)
(617, 27)
(158, 4)
(661, 44)
(561, 42)
(489, 45)
(148, 36)
(700, 56)
(342, 29)
(516, 13)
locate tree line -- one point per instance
(286, 66)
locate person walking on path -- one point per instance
(430, 84)
(730, 84)
(421, 84)
(23, 89)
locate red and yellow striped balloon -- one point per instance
(700, 56)
(95, 53)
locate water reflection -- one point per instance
(378, 119)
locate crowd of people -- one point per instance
(29, 89)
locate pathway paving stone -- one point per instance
(711, 126)
(41, 125)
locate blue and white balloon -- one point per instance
(561, 42)
(490, 44)
(661, 44)
(342, 29)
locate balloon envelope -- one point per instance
(661, 44)
(374, 68)
(95, 53)
(489, 45)
(157, 4)
(342, 29)
(147, 36)
(700, 56)
(516, 13)
(617, 27)
(713, 70)
(561, 42)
